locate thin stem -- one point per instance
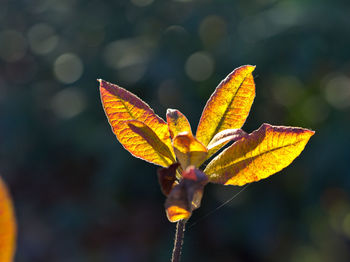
(179, 236)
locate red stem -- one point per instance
(179, 236)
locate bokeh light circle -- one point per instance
(199, 66)
(337, 92)
(68, 68)
(42, 38)
(68, 103)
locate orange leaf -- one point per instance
(259, 155)
(229, 105)
(176, 213)
(177, 122)
(188, 150)
(121, 105)
(7, 225)
(187, 195)
(222, 138)
(141, 140)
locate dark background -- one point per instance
(79, 196)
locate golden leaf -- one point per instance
(142, 140)
(188, 150)
(177, 122)
(222, 138)
(229, 105)
(121, 105)
(259, 155)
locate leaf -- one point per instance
(259, 155)
(8, 226)
(167, 177)
(188, 150)
(186, 196)
(143, 141)
(229, 105)
(175, 213)
(177, 122)
(222, 138)
(121, 105)
(195, 180)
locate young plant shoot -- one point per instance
(172, 145)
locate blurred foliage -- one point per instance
(80, 197)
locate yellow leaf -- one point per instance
(188, 150)
(259, 155)
(121, 105)
(8, 226)
(222, 138)
(176, 213)
(229, 105)
(177, 122)
(142, 140)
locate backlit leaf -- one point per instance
(7, 226)
(187, 195)
(229, 105)
(259, 155)
(188, 150)
(121, 105)
(222, 138)
(143, 141)
(177, 122)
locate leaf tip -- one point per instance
(250, 68)
(171, 111)
(312, 132)
(172, 115)
(101, 81)
(103, 84)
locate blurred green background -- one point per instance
(79, 196)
